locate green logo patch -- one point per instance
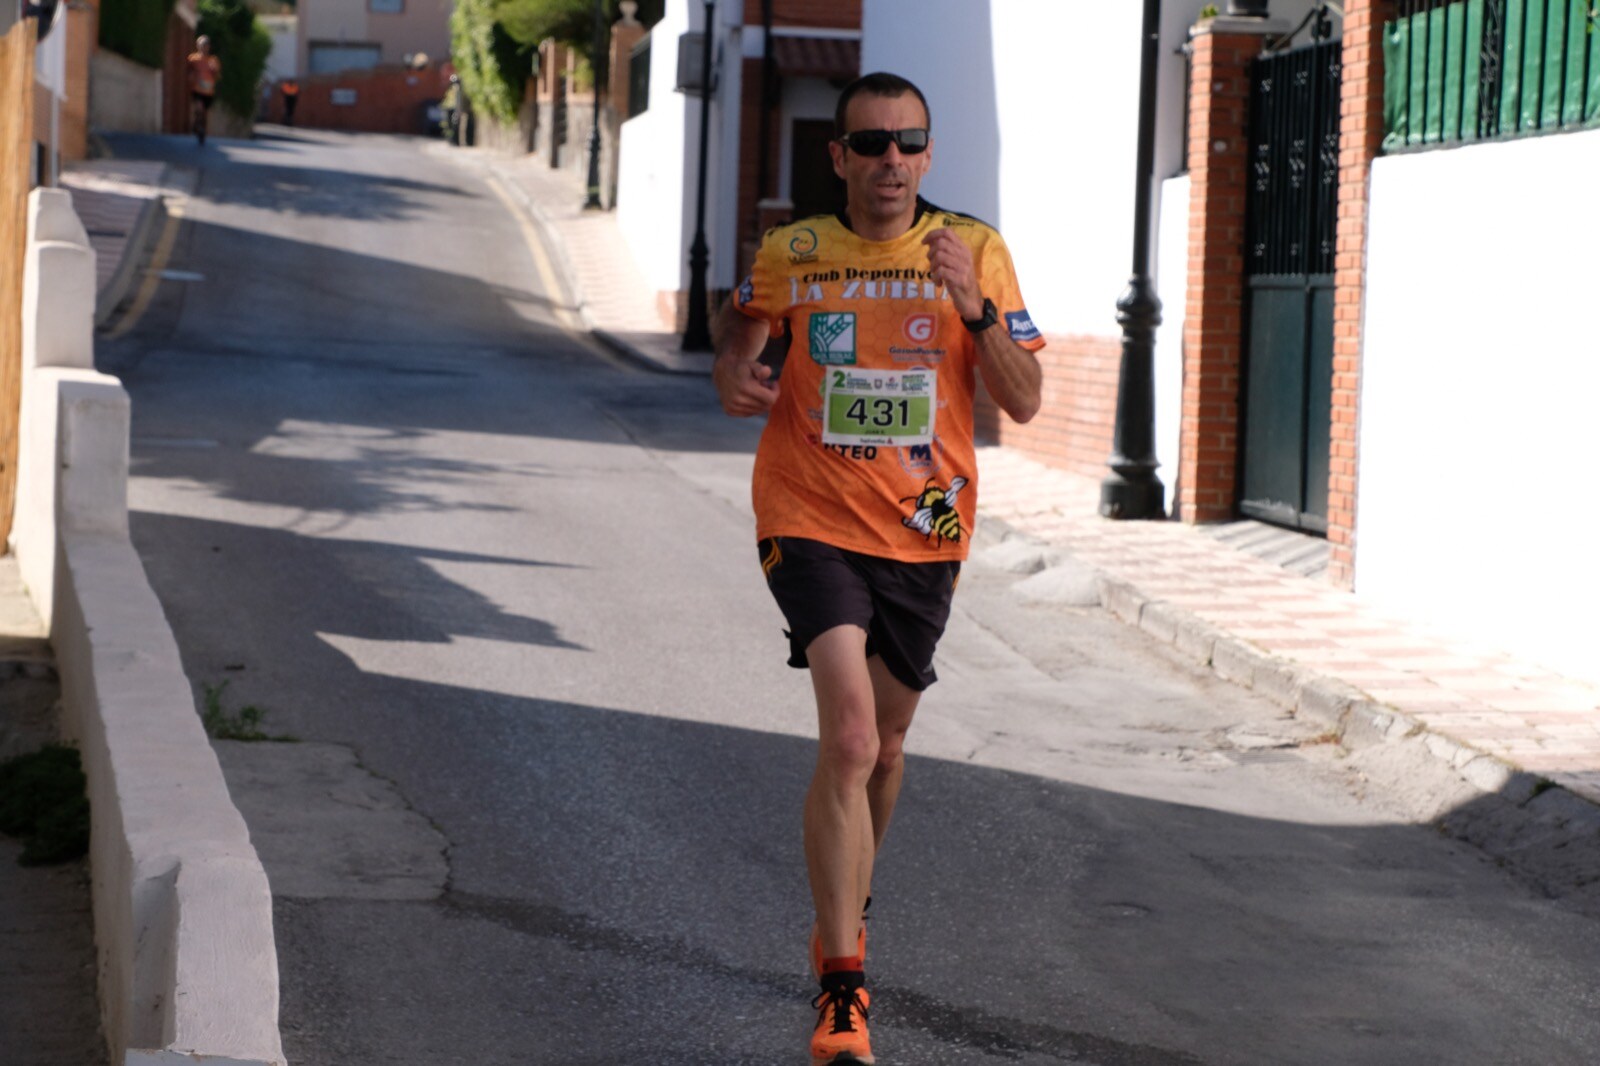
(833, 338)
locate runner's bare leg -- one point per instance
(839, 840)
(896, 703)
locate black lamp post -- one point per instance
(697, 332)
(596, 64)
(1132, 490)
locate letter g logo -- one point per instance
(921, 328)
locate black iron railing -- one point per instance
(1468, 70)
(1293, 193)
(639, 77)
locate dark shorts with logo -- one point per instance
(903, 607)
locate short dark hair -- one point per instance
(878, 84)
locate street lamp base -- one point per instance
(1139, 498)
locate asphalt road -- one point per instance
(545, 804)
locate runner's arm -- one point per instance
(1010, 372)
(741, 382)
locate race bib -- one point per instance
(878, 407)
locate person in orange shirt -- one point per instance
(205, 73)
(866, 480)
(291, 96)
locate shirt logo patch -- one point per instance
(920, 329)
(803, 246)
(1021, 326)
(833, 338)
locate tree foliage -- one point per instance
(242, 44)
(492, 66)
(136, 29)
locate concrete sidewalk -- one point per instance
(1503, 727)
(48, 1010)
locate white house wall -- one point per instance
(655, 202)
(1172, 283)
(1479, 449)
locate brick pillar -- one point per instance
(624, 35)
(1213, 333)
(1360, 137)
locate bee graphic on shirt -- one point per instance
(936, 515)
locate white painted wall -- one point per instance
(657, 158)
(1479, 446)
(660, 157)
(1172, 283)
(284, 31)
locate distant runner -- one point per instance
(291, 96)
(866, 479)
(205, 72)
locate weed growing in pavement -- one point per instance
(220, 724)
(43, 801)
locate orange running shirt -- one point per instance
(869, 446)
(203, 73)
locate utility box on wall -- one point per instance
(691, 64)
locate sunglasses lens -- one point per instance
(869, 142)
(911, 142)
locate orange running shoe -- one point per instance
(861, 943)
(840, 1038)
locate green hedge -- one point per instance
(136, 29)
(492, 66)
(242, 44)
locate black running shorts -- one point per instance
(903, 607)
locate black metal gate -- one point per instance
(1288, 345)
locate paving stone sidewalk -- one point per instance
(1271, 625)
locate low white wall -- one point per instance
(182, 910)
(124, 96)
(1479, 447)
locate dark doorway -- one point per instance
(1288, 343)
(813, 186)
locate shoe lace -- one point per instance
(844, 1002)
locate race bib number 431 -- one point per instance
(878, 407)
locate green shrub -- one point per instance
(136, 29)
(242, 44)
(43, 801)
(492, 66)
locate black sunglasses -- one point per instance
(876, 142)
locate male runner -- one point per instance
(866, 478)
(205, 71)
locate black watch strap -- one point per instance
(991, 315)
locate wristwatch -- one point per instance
(991, 315)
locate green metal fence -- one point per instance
(1465, 70)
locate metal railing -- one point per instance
(1466, 70)
(639, 77)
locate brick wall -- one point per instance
(16, 149)
(1360, 136)
(1073, 428)
(843, 14)
(83, 29)
(388, 99)
(176, 116)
